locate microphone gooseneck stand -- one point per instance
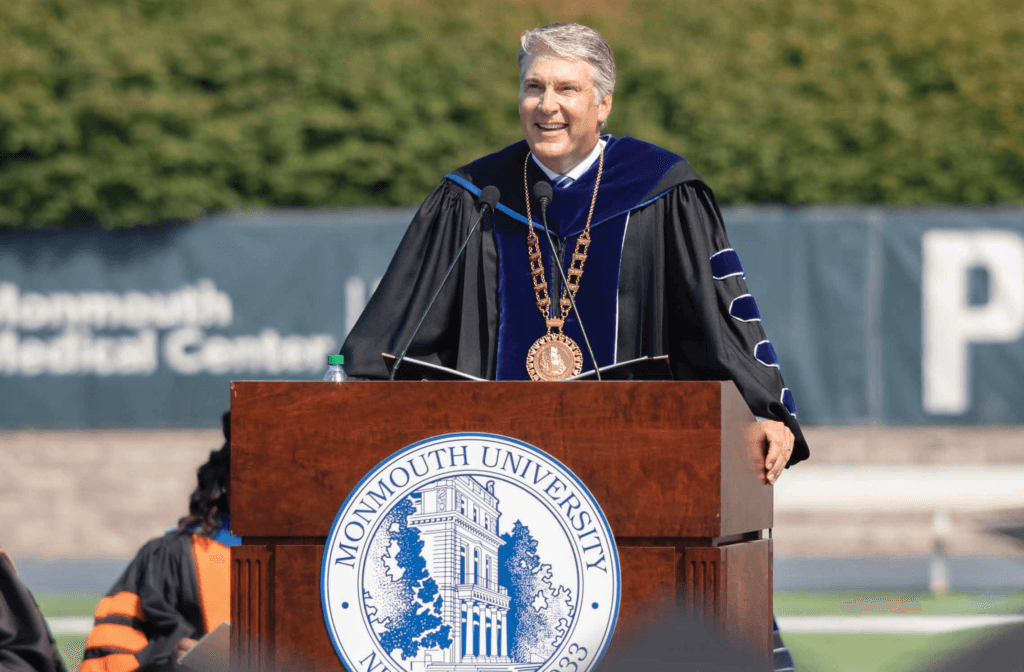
(543, 193)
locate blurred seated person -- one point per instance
(25, 640)
(176, 589)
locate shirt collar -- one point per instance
(577, 171)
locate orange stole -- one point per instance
(213, 569)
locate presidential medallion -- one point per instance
(554, 357)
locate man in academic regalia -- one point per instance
(658, 275)
(638, 231)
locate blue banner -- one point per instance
(897, 316)
(148, 326)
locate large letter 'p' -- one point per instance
(950, 323)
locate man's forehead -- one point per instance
(557, 67)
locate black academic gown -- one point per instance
(661, 279)
(159, 599)
(26, 644)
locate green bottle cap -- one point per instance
(335, 360)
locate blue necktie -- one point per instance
(563, 181)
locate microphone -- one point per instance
(486, 201)
(543, 193)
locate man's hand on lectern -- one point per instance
(780, 447)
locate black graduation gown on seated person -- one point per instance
(159, 599)
(661, 279)
(26, 644)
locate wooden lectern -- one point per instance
(673, 465)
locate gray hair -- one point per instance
(574, 42)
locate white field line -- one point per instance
(900, 487)
(891, 624)
(836, 624)
(70, 626)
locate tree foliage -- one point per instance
(401, 599)
(539, 613)
(131, 112)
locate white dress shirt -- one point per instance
(576, 172)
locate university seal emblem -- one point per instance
(470, 552)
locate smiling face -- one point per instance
(557, 112)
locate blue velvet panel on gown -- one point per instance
(632, 171)
(520, 322)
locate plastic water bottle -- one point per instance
(335, 372)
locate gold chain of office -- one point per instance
(555, 356)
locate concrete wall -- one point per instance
(95, 493)
(101, 494)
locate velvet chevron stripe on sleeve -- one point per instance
(783, 660)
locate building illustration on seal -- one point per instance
(458, 521)
(463, 616)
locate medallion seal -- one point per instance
(470, 551)
(554, 356)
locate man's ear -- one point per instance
(604, 108)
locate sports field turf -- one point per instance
(877, 603)
(812, 652)
(71, 648)
(68, 606)
(827, 652)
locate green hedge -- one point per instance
(131, 112)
